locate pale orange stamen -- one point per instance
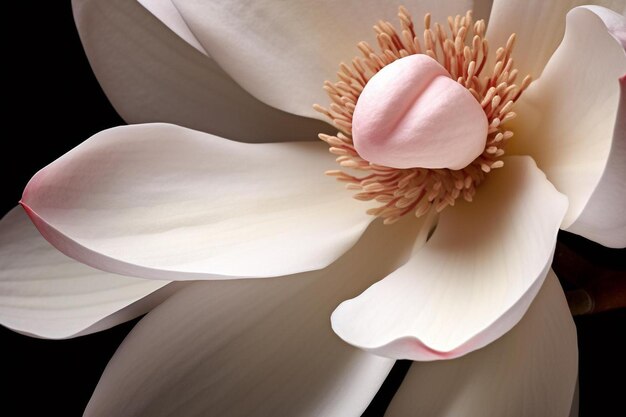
(463, 53)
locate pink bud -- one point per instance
(412, 114)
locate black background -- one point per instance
(55, 103)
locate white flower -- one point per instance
(168, 203)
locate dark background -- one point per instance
(55, 103)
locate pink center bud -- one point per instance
(412, 114)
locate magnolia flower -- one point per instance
(167, 205)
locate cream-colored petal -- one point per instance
(282, 52)
(151, 75)
(539, 26)
(602, 219)
(46, 294)
(566, 119)
(166, 202)
(472, 281)
(529, 372)
(255, 347)
(166, 12)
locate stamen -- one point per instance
(462, 50)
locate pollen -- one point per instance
(461, 48)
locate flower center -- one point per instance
(420, 123)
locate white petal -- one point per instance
(254, 347)
(161, 201)
(282, 52)
(151, 75)
(602, 218)
(567, 118)
(529, 372)
(539, 26)
(166, 12)
(615, 22)
(44, 293)
(472, 281)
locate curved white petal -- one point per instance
(136, 309)
(44, 293)
(472, 281)
(602, 219)
(282, 52)
(151, 75)
(539, 26)
(254, 347)
(566, 119)
(161, 201)
(529, 372)
(615, 22)
(166, 12)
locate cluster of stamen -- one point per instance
(463, 52)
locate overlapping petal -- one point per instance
(168, 14)
(566, 119)
(602, 219)
(530, 371)
(539, 26)
(44, 293)
(472, 281)
(282, 52)
(255, 347)
(151, 75)
(161, 201)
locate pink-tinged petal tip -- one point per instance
(164, 202)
